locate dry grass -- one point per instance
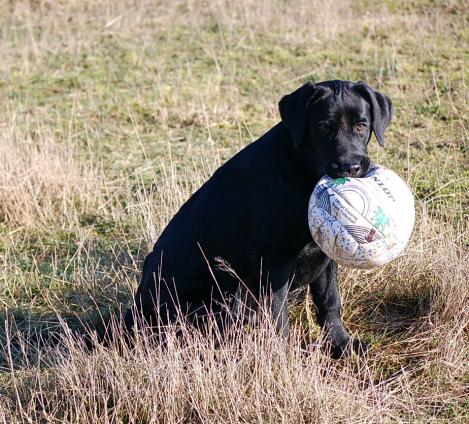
(112, 113)
(253, 378)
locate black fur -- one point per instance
(253, 213)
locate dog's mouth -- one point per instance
(365, 166)
(346, 169)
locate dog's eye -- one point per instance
(324, 128)
(360, 127)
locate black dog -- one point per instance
(253, 213)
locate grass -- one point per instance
(112, 113)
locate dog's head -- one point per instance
(331, 125)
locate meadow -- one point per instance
(112, 113)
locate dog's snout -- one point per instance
(346, 169)
(350, 169)
(353, 167)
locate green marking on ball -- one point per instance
(340, 181)
(381, 220)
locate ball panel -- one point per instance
(363, 235)
(398, 201)
(349, 216)
(337, 243)
(356, 196)
(322, 198)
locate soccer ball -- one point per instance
(362, 222)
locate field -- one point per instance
(112, 113)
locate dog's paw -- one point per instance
(359, 346)
(346, 348)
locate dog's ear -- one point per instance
(293, 108)
(380, 108)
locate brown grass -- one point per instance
(113, 113)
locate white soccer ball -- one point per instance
(362, 222)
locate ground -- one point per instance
(111, 114)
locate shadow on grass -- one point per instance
(385, 321)
(68, 295)
(397, 313)
(23, 335)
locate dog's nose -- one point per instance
(350, 169)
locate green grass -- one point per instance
(112, 114)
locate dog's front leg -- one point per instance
(326, 297)
(317, 270)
